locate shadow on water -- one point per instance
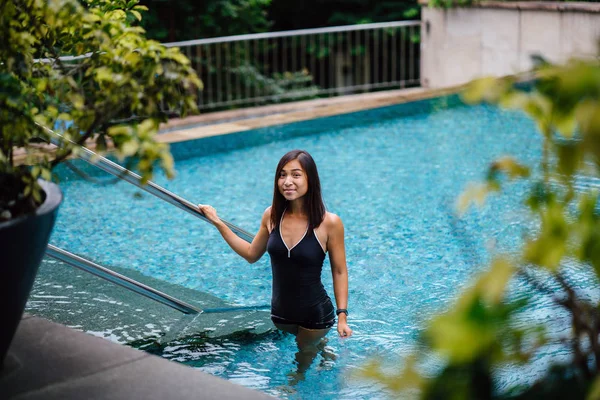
(85, 302)
(201, 341)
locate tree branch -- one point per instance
(542, 288)
(579, 325)
(79, 142)
(90, 131)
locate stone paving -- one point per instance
(50, 361)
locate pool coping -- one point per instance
(234, 121)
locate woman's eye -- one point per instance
(297, 175)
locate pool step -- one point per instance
(82, 301)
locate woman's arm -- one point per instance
(339, 270)
(252, 252)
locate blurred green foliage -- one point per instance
(479, 335)
(288, 15)
(176, 20)
(115, 90)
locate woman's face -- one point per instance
(292, 181)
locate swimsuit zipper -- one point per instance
(281, 236)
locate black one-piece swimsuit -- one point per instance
(298, 294)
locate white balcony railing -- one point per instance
(272, 67)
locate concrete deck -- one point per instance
(50, 361)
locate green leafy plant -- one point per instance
(451, 3)
(171, 21)
(483, 331)
(90, 69)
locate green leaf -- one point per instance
(103, 74)
(120, 130)
(65, 117)
(478, 89)
(408, 377)
(101, 144)
(129, 148)
(147, 128)
(119, 15)
(37, 195)
(565, 123)
(46, 174)
(474, 193)
(492, 285)
(594, 392)
(457, 337)
(510, 167)
(538, 107)
(550, 246)
(570, 158)
(514, 99)
(588, 117)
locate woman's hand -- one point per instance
(343, 328)
(210, 213)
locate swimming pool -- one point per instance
(391, 174)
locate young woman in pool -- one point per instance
(297, 232)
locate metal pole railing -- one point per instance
(138, 287)
(299, 64)
(115, 169)
(298, 32)
(121, 280)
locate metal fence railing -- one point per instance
(273, 67)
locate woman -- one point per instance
(297, 232)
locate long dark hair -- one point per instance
(313, 202)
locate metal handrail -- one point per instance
(115, 169)
(121, 280)
(313, 31)
(138, 287)
(235, 308)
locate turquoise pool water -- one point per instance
(391, 174)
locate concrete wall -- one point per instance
(498, 38)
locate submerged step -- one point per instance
(83, 301)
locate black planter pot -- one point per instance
(23, 243)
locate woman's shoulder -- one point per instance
(266, 218)
(266, 214)
(332, 220)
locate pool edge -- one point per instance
(182, 131)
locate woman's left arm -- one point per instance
(339, 270)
